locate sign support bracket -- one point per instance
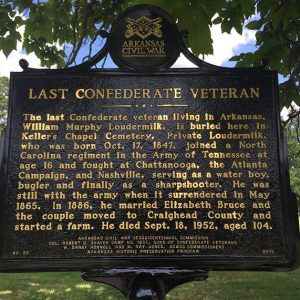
(144, 283)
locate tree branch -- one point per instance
(115, 6)
(292, 115)
(78, 45)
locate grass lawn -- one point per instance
(219, 285)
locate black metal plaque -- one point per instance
(109, 169)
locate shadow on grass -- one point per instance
(53, 286)
(241, 285)
(219, 286)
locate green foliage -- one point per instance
(235, 14)
(277, 25)
(9, 34)
(3, 92)
(3, 101)
(197, 16)
(277, 39)
(194, 16)
(293, 136)
(51, 27)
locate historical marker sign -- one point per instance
(110, 168)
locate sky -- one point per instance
(225, 46)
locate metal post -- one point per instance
(144, 284)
